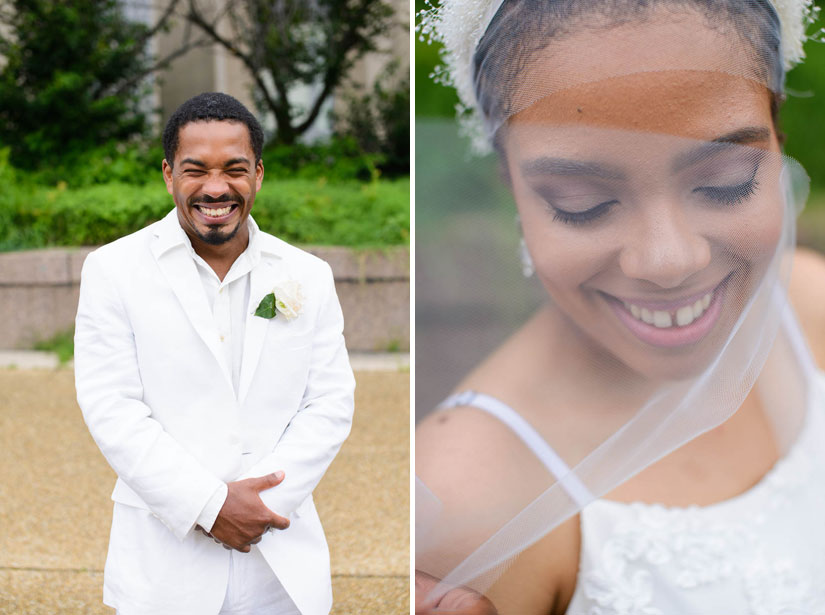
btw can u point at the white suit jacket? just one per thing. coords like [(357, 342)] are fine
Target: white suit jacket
[(158, 398)]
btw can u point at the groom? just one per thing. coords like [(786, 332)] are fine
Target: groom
[(212, 373)]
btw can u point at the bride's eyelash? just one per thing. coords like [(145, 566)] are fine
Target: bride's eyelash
[(730, 195), (726, 195), (582, 217)]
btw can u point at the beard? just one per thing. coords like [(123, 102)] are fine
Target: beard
[(216, 235)]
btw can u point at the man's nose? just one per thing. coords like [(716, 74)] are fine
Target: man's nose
[(215, 185), (664, 248)]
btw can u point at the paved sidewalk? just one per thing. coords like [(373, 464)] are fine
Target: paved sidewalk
[(361, 361), (55, 509), (28, 359)]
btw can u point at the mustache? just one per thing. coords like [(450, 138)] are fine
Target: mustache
[(205, 198)]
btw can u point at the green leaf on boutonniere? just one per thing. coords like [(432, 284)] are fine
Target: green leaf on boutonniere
[(266, 308)]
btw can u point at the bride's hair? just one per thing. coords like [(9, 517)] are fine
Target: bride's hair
[(522, 28)]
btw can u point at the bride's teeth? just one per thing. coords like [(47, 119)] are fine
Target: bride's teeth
[(684, 316), (662, 319)]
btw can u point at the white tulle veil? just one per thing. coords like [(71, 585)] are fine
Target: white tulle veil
[(656, 221)]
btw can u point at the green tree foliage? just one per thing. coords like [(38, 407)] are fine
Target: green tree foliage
[(302, 210), (803, 114), (379, 121), (290, 44), (72, 78), (431, 99)]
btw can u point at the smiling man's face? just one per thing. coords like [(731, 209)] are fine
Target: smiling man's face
[(213, 181)]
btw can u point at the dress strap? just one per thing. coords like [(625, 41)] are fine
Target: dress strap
[(527, 434)]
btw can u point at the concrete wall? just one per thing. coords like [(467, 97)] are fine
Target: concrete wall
[(39, 292)]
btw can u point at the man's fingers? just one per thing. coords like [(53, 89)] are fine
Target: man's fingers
[(278, 522), (267, 482)]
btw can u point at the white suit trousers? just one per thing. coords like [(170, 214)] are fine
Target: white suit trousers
[(252, 589)]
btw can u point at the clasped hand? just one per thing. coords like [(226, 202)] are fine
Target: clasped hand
[(244, 518), (457, 601)]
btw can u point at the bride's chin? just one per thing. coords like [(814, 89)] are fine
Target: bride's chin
[(613, 350)]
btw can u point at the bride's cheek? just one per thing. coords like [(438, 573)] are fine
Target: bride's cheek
[(754, 235)]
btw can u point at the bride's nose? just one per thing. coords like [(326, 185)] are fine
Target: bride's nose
[(664, 248)]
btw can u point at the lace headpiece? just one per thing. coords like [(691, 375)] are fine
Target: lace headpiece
[(460, 24)]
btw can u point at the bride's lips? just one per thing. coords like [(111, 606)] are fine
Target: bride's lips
[(215, 213), (699, 312)]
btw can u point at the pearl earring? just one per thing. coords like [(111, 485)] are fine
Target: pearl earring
[(527, 268)]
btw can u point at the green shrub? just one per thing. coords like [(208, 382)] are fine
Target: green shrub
[(136, 163), (340, 159), (351, 214), (299, 211), (62, 344)]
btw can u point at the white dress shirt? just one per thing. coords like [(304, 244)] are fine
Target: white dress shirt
[(228, 300)]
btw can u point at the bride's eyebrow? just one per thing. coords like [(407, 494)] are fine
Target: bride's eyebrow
[(743, 136), (564, 166)]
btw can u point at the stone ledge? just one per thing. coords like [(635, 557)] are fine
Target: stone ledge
[(62, 265), (365, 265), (49, 267), (39, 292)]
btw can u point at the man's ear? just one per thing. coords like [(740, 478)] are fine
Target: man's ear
[(259, 174), (167, 175)]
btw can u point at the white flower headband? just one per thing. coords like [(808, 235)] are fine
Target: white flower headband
[(460, 24)]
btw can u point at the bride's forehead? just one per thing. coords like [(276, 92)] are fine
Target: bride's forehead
[(640, 69), (691, 104)]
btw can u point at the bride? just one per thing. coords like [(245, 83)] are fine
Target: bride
[(648, 441)]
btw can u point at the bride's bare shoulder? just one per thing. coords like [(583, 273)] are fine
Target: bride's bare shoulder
[(473, 462), (807, 293), (465, 435)]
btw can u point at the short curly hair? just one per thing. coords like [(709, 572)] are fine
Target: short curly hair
[(211, 106)]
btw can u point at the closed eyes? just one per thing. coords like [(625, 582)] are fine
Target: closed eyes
[(725, 195)]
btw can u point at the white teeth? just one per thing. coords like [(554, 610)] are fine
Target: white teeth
[(215, 213), (684, 315), (662, 319)]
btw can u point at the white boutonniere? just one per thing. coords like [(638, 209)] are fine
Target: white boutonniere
[(285, 299)]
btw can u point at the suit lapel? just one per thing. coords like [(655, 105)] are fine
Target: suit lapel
[(262, 279), (181, 273)]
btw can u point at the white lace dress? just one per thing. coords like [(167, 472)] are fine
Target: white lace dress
[(760, 553)]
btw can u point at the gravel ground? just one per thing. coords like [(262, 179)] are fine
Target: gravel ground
[(55, 509)]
